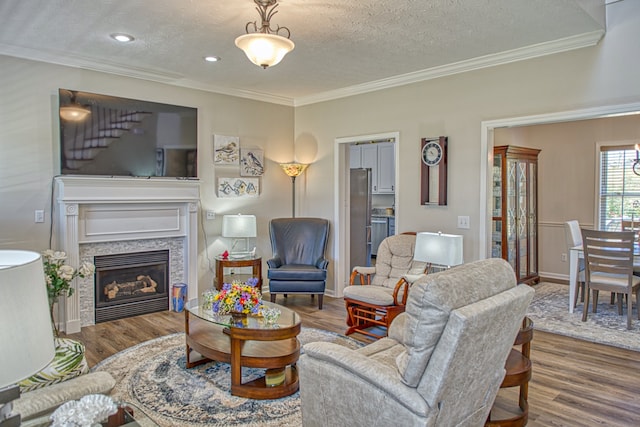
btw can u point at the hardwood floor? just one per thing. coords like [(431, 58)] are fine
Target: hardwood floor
[(575, 383)]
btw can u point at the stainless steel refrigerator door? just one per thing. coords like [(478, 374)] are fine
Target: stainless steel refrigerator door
[(360, 217)]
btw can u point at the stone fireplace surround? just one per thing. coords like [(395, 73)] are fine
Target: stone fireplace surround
[(94, 215)]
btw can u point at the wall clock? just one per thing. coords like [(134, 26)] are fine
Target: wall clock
[(431, 153), (433, 172)]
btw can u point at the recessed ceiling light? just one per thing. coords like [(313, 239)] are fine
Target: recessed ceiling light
[(212, 58), (122, 38)]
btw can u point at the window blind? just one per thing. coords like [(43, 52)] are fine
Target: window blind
[(619, 198)]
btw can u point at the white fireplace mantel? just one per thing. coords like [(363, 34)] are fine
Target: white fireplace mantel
[(110, 209)]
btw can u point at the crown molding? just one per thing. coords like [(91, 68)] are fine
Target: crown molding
[(529, 52)]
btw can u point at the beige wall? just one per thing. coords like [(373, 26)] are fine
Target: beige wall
[(454, 106), (29, 157), (567, 176)]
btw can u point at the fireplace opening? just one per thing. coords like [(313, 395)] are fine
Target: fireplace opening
[(131, 284)]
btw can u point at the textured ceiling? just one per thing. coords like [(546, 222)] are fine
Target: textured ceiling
[(341, 46)]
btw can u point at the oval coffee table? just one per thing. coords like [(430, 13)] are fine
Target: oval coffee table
[(250, 343)]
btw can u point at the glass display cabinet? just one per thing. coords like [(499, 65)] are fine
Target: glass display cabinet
[(514, 205)]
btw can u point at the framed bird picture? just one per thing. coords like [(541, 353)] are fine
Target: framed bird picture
[(251, 162), (226, 150)]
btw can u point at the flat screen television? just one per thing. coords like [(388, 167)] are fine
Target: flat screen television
[(112, 136)]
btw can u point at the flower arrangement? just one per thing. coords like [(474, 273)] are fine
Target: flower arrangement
[(58, 277), (235, 297)]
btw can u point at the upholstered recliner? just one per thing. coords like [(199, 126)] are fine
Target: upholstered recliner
[(298, 265), (441, 365)]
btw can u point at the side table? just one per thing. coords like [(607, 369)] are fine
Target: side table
[(254, 262)]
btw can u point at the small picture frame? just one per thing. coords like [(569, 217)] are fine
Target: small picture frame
[(251, 162), (226, 150), (238, 187)]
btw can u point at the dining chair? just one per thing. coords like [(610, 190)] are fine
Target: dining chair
[(609, 267), (574, 238)]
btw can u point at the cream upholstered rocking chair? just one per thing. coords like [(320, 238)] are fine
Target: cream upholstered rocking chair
[(376, 295)]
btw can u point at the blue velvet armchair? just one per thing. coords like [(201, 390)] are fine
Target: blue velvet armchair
[(298, 265)]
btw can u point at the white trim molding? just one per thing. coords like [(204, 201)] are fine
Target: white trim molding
[(115, 209)]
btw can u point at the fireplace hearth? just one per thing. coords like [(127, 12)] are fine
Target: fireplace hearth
[(131, 284)]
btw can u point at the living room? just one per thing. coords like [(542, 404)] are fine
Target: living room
[(591, 80)]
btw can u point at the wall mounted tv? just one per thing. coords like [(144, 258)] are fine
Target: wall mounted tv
[(107, 135)]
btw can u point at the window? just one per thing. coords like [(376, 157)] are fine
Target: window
[(619, 193)]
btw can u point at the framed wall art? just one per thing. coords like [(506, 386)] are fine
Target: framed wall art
[(251, 162), (238, 187), (226, 150)]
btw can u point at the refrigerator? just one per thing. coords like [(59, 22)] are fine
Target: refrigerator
[(360, 217)]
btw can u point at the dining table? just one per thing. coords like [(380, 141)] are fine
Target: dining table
[(576, 253)]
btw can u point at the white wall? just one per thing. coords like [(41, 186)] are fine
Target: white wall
[(455, 106), (29, 150)]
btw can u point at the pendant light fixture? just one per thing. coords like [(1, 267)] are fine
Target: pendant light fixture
[(263, 45), (74, 112)]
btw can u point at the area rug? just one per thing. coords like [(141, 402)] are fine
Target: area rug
[(153, 376), (550, 313)]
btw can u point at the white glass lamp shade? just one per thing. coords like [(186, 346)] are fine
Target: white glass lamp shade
[(265, 50), (26, 335), (74, 112), (239, 226), (440, 249)]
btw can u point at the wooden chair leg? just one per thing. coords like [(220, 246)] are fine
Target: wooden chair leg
[(273, 297), (585, 307), (320, 297)]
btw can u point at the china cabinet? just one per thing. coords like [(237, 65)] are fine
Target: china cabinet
[(514, 210)]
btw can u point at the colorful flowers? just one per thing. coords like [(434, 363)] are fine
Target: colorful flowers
[(235, 297)]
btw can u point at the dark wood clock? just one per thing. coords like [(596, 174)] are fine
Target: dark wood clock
[(433, 171)]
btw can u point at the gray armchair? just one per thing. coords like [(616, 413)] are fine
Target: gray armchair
[(441, 365), (298, 265)]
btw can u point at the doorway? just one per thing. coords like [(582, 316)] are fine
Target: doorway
[(487, 134), (342, 229)]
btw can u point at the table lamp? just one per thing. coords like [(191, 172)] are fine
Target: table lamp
[(441, 250), (26, 335), (239, 227)]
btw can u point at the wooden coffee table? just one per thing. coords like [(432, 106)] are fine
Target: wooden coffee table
[(250, 343)]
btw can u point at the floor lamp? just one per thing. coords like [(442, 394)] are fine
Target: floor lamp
[(26, 335), (293, 170)]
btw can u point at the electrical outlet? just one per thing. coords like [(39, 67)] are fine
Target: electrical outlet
[(211, 215), (39, 215), (463, 222), (563, 257)]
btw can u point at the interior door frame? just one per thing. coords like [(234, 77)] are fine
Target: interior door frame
[(486, 150), (341, 202)]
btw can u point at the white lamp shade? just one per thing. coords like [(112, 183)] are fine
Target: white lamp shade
[(26, 335), (265, 50), (439, 249), (239, 226)]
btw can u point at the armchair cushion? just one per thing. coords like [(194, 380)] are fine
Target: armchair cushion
[(68, 362), (377, 295), (297, 272), (434, 297)]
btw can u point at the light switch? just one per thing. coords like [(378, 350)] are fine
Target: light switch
[(463, 222)]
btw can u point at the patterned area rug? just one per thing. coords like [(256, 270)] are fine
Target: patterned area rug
[(153, 377), (550, 313)]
